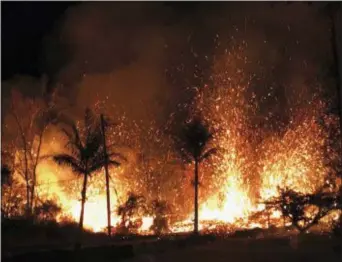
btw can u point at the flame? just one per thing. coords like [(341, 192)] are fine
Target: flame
[(294, 159), (249, 168)]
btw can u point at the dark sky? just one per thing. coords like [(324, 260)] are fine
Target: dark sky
[(23, 27), (99, 45)]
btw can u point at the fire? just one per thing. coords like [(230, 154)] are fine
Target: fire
[(294, 159), (235, 203), (249, 168)]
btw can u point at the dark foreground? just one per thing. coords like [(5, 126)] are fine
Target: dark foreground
[(242, 250), (205, 248)]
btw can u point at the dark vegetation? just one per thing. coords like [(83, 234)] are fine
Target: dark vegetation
[(293, 206)]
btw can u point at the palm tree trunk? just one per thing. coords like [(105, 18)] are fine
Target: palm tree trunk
[(196, 199), (107, 176), (84, 190)]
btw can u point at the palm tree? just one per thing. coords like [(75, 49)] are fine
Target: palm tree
[(193, 143), (86, 153)]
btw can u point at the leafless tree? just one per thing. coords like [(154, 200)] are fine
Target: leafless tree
[(27, 122)]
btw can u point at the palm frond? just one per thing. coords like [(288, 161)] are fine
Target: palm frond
[(100, 164), (114, 163), (74, 142), (67, 160), (194, 138), (117, 156), (90, 125), (208, 153), (77, 137)]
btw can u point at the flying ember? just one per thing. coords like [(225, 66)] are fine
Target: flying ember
[(251, 165)]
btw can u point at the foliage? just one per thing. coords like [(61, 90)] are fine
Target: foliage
[(134, 207), (85, 146), (304, 210), (193, 142), (12, 194), (12, 201), (86, 152), (5, 175), (159, 211), (47, 211)]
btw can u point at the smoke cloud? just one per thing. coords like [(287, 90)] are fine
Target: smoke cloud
[(145, 58)]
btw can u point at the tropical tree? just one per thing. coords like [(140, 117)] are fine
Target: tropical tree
[(12, 200), (105, 123), (294, 206), (47, 211), (134, 206), (5, 174), (159, 211), (193, 142), (86, 153)]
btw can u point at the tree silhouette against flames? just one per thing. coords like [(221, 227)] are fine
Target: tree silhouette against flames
[(193, 142), (86, 154)]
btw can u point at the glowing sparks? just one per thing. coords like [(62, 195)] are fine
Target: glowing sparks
[(248, 169)]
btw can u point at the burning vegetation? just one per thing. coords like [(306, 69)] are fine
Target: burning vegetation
[(250, 165), (239, 168)]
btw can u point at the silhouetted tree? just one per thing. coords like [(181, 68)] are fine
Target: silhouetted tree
[(47, 211), (86, 153), (105, 124), (134, 206), (12, 200), (193, 142), (159, 211), (294, 205), (29, 118), (5, 174)]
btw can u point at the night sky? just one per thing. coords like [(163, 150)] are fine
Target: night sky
[(24, 25), (157, 51)]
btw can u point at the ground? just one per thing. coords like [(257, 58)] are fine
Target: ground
[(199, 249), (242, 250)]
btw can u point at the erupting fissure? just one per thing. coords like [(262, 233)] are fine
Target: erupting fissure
[(294, 159), (249, 168)]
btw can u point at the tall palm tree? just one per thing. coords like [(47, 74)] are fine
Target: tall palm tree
[(193, 143), (86, 153)]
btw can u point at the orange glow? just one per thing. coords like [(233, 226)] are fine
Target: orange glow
[(250, 167)]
